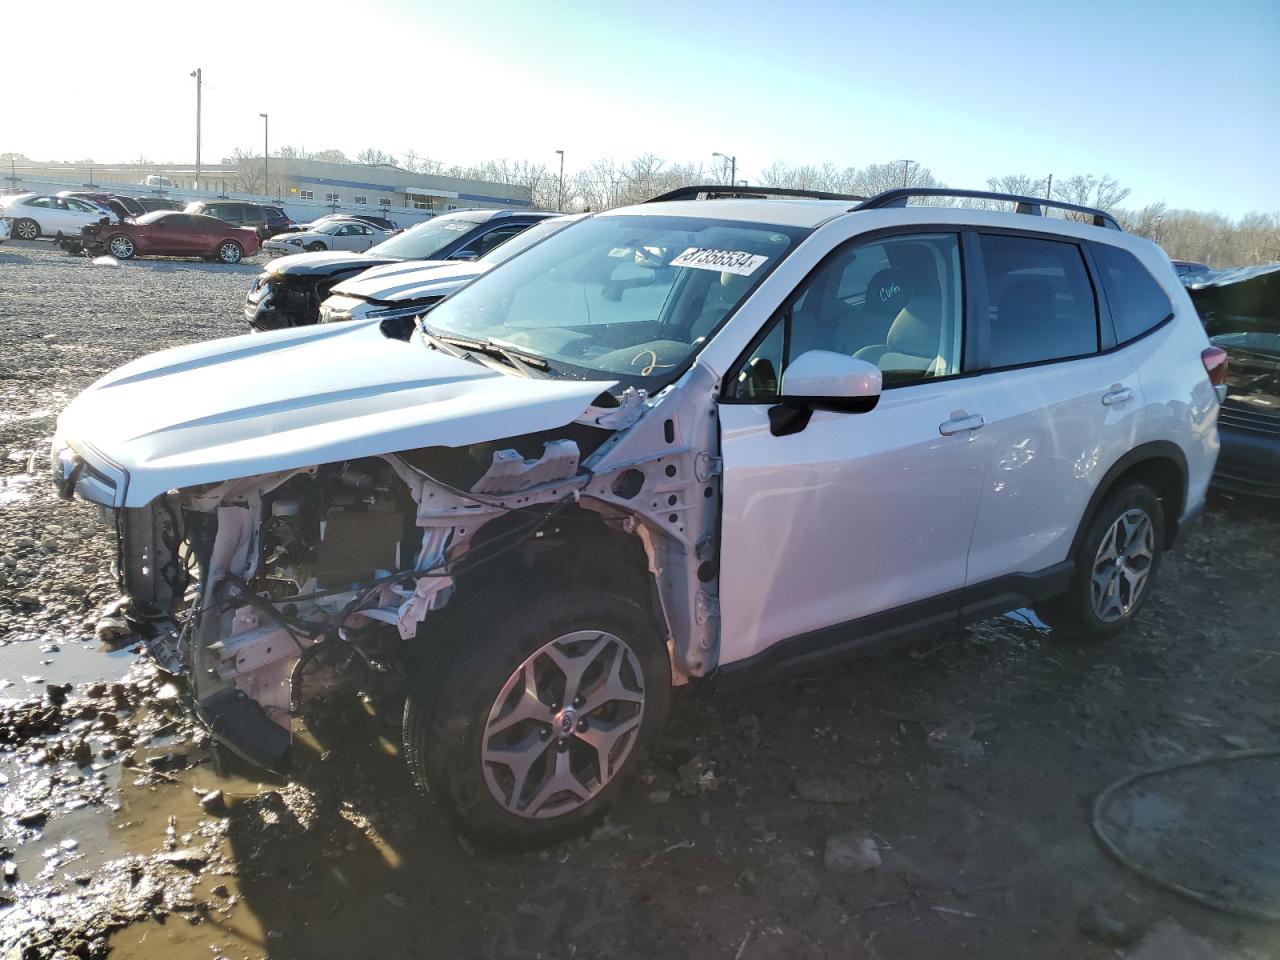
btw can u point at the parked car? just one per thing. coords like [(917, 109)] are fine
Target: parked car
[(382, 223), (1240, 309), (353, 235), (407, 290), (265, 220), (122, 206), (152, 204), (158, 182), (685, 439), (41, 215), (288, 293), (167, 233)]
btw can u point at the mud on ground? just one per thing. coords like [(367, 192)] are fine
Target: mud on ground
[(925, 803)]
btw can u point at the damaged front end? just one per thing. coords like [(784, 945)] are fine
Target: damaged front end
[(271, 592)]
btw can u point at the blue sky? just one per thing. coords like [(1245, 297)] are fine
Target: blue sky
[(1179, 101)]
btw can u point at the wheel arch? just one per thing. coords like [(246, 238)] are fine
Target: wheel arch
[(1162, 466)]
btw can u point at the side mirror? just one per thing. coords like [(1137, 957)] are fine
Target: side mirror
[(824, 380)]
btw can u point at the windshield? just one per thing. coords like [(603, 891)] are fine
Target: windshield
[(426, 239), (525, 239), (630, 298)]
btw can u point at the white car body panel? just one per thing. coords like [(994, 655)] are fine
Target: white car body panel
[(53, 220), (814, 530), (411, 280), (1046, 444), (5, 229), (261, 403)]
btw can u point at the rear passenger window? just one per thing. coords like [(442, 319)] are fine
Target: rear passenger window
[(1040, 300), (1137, 302)]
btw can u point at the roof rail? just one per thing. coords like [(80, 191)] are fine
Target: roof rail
[(713, 192), (1033, 206)]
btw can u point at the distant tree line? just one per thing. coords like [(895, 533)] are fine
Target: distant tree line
[(1186, 234)]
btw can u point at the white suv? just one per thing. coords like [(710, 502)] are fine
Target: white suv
[(692, 438)]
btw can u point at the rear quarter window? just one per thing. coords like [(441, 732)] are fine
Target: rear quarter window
[(1138, 303)]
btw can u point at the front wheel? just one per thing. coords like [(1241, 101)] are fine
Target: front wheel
[(527, 722), (316, 247), (121, 247), (27, 229), (229, 252), (1114, 566)]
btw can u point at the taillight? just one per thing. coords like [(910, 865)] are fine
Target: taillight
[(1215, 365)]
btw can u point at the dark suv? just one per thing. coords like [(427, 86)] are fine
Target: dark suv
[(289, 292), (266, 220)]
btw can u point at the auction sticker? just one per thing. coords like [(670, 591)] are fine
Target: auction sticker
[(725, 261)]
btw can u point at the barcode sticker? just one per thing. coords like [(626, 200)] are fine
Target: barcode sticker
[(724, 261)]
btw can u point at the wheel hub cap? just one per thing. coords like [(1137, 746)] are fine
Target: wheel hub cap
[(1122, 567), (585, 692)]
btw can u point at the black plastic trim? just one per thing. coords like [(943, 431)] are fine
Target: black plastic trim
[(1032, 206), (1152, 450), (947, 611), (714, 192)]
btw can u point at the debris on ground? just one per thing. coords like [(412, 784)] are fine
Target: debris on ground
[(851, 853)]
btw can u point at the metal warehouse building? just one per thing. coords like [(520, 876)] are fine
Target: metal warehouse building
[(354, 186)]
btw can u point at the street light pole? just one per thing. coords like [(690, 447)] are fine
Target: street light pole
[(733, 167), (199, 75), (560, 193), (266, 153)]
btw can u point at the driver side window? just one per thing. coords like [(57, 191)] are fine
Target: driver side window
[(895, 302)]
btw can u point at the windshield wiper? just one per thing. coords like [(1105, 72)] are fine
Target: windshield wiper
[(468, 347)]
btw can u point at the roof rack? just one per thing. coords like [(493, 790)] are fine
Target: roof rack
[(713, 192), (1034, 206)]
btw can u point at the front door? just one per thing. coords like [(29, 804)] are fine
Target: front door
[(856, 514)]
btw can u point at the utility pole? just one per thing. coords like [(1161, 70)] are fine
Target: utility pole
[(1048, 190), (199, 75), (560, 194), (266, 152), (906, 165), (733, 167)]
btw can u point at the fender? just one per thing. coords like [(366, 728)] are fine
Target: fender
[(1143, 453)]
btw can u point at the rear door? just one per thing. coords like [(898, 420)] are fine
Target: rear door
[(1059, 404)]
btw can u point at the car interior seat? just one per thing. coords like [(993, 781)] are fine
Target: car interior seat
[(1017, 326), (911, 345)]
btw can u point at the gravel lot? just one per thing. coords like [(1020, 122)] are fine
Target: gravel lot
[(926, 803)]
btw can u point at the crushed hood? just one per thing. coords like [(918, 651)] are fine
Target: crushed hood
[(324, 262), (260, 403), (412, 280)]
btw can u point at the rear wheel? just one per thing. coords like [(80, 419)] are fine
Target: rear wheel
[(26, 229), (1114, 566), (527, 721), (121, 247), (229, 252)]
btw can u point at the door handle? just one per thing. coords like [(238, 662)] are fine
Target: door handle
[(1117, 394), (961, 424)]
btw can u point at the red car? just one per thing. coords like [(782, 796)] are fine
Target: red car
[(166, 233)]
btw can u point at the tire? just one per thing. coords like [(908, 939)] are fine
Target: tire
[(316, 247), (121, 247), (26, 229), (229, 252), (470, 701), (1115, 564)]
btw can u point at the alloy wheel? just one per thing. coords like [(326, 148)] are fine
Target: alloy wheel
[(563, 725), (1122, 567), (121, 247), (229, 253), (28, 229)]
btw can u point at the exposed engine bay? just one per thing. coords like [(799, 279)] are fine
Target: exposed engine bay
[(272, 592)]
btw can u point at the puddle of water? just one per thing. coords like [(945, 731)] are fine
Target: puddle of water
[(27, 665), (16, 489)]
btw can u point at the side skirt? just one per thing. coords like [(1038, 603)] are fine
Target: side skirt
[(897, 626)]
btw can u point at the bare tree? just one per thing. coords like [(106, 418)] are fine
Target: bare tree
[(329, 156), (375, 158), (248, 177)]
